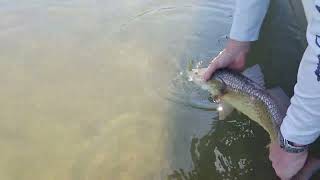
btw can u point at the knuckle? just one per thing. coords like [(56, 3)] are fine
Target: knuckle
[(209, 70)]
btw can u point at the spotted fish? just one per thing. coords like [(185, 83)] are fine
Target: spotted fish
[(246, 93)]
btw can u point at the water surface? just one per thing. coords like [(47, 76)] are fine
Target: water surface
[(86, 86)]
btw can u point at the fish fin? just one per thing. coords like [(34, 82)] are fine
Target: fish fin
[(255, 74), (224, 110), (280, 97)]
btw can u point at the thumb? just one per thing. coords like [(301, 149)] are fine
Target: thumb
[(213, 66), (221, 61)]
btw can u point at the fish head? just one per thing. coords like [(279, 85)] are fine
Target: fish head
[(215, 85)]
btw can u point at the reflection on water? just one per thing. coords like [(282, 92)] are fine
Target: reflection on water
[(85, 87)]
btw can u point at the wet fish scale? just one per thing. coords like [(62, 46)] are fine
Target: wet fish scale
[(254, 101), (266, 107)]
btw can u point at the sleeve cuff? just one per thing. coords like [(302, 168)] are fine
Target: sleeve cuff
[(247, 19), (243, 37), (293, 134)]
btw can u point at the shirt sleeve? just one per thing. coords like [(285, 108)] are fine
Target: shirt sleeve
[(247, 19), (302, 123)]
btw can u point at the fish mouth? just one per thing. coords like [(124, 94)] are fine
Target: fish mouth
[(215, 99), (216, 82), (196, 75)]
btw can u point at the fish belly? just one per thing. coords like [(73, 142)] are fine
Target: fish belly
[(253, 108)]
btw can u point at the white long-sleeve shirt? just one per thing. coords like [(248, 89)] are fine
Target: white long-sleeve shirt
[(247, 19), (302, 123)]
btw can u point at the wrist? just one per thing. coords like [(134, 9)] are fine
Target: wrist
[(236, 44), (289, 146), (297, 145), (236, 47)]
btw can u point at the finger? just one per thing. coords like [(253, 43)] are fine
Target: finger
[(210, 70), (214, 65), (283, 174), (273, 158), (275, 165), (271, 153)]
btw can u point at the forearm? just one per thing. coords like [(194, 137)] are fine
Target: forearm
[(302, 123), (247, 19)]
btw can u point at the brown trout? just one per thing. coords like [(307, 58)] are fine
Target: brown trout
[(246, 93)]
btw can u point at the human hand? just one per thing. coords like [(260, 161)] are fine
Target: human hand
[(285, 164), (233, 57)]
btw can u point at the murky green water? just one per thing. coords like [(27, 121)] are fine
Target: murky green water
[(84, 90)]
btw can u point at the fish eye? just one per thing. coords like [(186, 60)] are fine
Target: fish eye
[(216, 99)]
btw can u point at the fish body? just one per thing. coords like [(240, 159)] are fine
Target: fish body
[(245, 95)]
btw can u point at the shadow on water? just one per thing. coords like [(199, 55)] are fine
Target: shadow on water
[(229, 151), (281, 45)]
